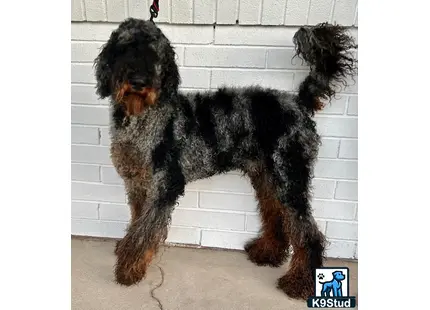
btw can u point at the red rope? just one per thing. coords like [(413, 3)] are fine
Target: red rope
[(153, 10)]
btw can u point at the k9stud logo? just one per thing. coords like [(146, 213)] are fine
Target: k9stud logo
[(332, 289)]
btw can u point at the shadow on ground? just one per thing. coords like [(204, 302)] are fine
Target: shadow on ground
[(193, 279)]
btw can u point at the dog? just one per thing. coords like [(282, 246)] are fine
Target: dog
[(334, 285), (162, 139)]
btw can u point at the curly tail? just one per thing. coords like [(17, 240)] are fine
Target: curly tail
[(327, 50)]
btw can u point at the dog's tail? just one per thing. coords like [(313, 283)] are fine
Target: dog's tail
[(327, 49)]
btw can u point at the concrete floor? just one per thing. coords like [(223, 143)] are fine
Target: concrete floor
[(193, 279)]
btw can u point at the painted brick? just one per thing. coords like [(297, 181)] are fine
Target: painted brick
[(84, 210), (90, 154), (353, 105), (85, 227), (183, 235), (271, 36), (319, 11), (192, 90), (78, 13), (226, 201), (90, 115), (138, 9), (253, 223), (114, 229), (225, 57), (86, 94), (204, 11), (208, 219), (344, 12), (341, 169), (104, 136), (356, 18), (224, 239), (89, 173), (341, 249), (97, 192), (95, 10), (182, 12), (92, 31), (337, 126), (347, 190), (336, 106), (179, 54), (86, 135), (249, 12), (352, 85), (331, 209), (84, 51), (342, 230), (224, 183), (296, 12), (189, 200), (95, 228), (299, 77), (323, 188), (356, 251), (283, 58), (114, 212), (188, 34), (276, 79), (322, 225), (194, 78), (329, 148), (116, 10), (110, 176), (82, 73), (226, 12), (348, 148), (273, 12)]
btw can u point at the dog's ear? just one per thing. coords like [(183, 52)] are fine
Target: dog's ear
[(135, 100), (103, 70)]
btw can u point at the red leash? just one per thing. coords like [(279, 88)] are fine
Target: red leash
[(153, 10)]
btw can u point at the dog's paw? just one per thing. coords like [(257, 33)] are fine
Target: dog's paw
[(296, 285), (263, 252), (129, 276)]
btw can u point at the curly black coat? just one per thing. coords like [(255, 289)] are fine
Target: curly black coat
[(163, 139)]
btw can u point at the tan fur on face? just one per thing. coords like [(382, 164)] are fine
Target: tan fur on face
[(134, 100)]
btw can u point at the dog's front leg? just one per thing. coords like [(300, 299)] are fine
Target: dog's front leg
[(148, 228), (137, 249)]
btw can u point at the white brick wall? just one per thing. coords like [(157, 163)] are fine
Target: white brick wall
[(221, 211)]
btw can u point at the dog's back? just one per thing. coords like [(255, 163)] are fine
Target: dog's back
[(236, 128)]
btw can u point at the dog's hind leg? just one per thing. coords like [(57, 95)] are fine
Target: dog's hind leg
[(293, 162), (271, 247), (148, 228)]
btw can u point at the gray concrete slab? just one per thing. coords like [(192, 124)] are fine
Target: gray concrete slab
[(193, 279)]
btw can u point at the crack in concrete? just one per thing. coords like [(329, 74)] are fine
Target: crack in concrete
[(160, 305)]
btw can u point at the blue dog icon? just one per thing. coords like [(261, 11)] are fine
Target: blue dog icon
[(334, 285)]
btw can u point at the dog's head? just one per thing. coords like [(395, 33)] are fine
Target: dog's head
[(136, 66), (338, 275)]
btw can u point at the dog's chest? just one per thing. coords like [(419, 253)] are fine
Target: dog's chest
[(128, 160)]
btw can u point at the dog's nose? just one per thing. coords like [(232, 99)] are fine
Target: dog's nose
[(137, 84)]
